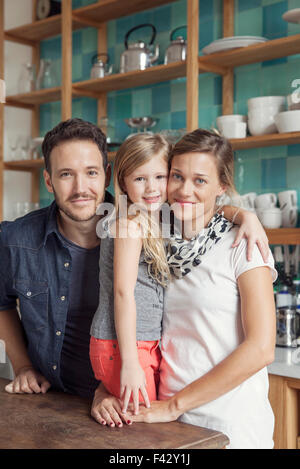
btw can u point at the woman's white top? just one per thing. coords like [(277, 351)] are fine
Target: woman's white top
[(201, 327)]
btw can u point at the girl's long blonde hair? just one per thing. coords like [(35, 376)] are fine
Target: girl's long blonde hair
[(133, 153)]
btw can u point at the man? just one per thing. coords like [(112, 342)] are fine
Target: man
[(49, 262)]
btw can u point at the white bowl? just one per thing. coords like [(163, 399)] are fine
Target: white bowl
[(262, 101), (293, 101), (230, 118), (265, 111), (261, 124), (288, 121), (270, 218)]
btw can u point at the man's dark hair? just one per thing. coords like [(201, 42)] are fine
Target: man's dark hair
[(73, 129)]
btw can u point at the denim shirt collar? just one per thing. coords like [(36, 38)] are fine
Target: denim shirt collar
[(51, 221)]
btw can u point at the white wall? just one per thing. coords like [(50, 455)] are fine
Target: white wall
[(17, 185)]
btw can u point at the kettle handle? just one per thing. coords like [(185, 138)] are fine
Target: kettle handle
[(138, 27), (176, 29), (100, 55)]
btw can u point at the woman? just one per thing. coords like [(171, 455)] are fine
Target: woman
[(219, 317)]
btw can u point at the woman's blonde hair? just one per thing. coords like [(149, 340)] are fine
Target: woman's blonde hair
[(133, 153)]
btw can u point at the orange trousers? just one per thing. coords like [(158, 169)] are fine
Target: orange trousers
[(106, 363)]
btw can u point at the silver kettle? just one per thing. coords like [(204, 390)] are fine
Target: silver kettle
[(287, 327), (138, 56), (100, 68), (176, 51)]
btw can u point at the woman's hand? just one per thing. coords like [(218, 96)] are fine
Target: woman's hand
[(106, 409), (132, 380), (160, 411), (252, 229), (28, 381)]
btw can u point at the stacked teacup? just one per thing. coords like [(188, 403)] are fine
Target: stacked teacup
[(261, 113), (288, 207), (232, 125), (269, 215)]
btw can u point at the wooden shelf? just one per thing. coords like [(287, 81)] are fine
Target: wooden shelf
[(284, 236), (107, 10), (34, 32), (34, 98), (120, 81), (268, 140), (269, 50), (32, 165), (24, 165), (91, 15)]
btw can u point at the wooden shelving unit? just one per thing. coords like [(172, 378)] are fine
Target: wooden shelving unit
[(32, 165), (268, 140), (284, 236), (96, 15), (120, 81), (270, 50), (35, 98), (91, 15)]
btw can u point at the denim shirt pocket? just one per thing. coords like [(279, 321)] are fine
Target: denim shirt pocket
[(33, 299)]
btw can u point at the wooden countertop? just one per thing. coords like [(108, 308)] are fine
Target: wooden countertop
[(57, 420)]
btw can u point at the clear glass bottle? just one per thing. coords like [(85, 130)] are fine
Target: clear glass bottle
[(46, 76), (27, 78)]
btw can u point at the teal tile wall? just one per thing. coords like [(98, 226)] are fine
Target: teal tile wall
[(262, 169)]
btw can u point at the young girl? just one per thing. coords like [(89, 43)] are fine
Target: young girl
[(126, 329)]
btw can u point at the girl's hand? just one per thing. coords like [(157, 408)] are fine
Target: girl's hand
[(252, 229), (106, 409), (132, 380)]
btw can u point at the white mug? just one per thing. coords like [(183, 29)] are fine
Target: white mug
[(248, 200), (289, 217), (287, 199), (270, 218), (233, 129), (265, 201)]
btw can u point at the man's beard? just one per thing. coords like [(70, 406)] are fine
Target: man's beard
[(69, 214)]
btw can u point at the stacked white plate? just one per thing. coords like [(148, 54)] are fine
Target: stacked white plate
[(232, 42), (292, 16)]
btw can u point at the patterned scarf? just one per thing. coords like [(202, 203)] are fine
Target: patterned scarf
[(183, 254)]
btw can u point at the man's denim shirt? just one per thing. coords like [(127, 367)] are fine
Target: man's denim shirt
[(35, 268)]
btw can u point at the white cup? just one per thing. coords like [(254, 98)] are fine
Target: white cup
[(248, 200), (264, 201), (289, 217), (287, 199), (233, 129), (270, 218)]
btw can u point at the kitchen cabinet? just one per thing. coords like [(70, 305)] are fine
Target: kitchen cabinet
[(96, 15), (284, 397)]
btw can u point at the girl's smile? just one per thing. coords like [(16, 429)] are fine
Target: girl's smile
[(147, 185)]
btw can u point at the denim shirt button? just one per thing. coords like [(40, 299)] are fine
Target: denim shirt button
[(62, 298), (66, 264), (28, 293), (58, 332), (54, 367)]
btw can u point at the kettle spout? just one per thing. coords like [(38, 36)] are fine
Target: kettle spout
[(109, 71), (154, 57)]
